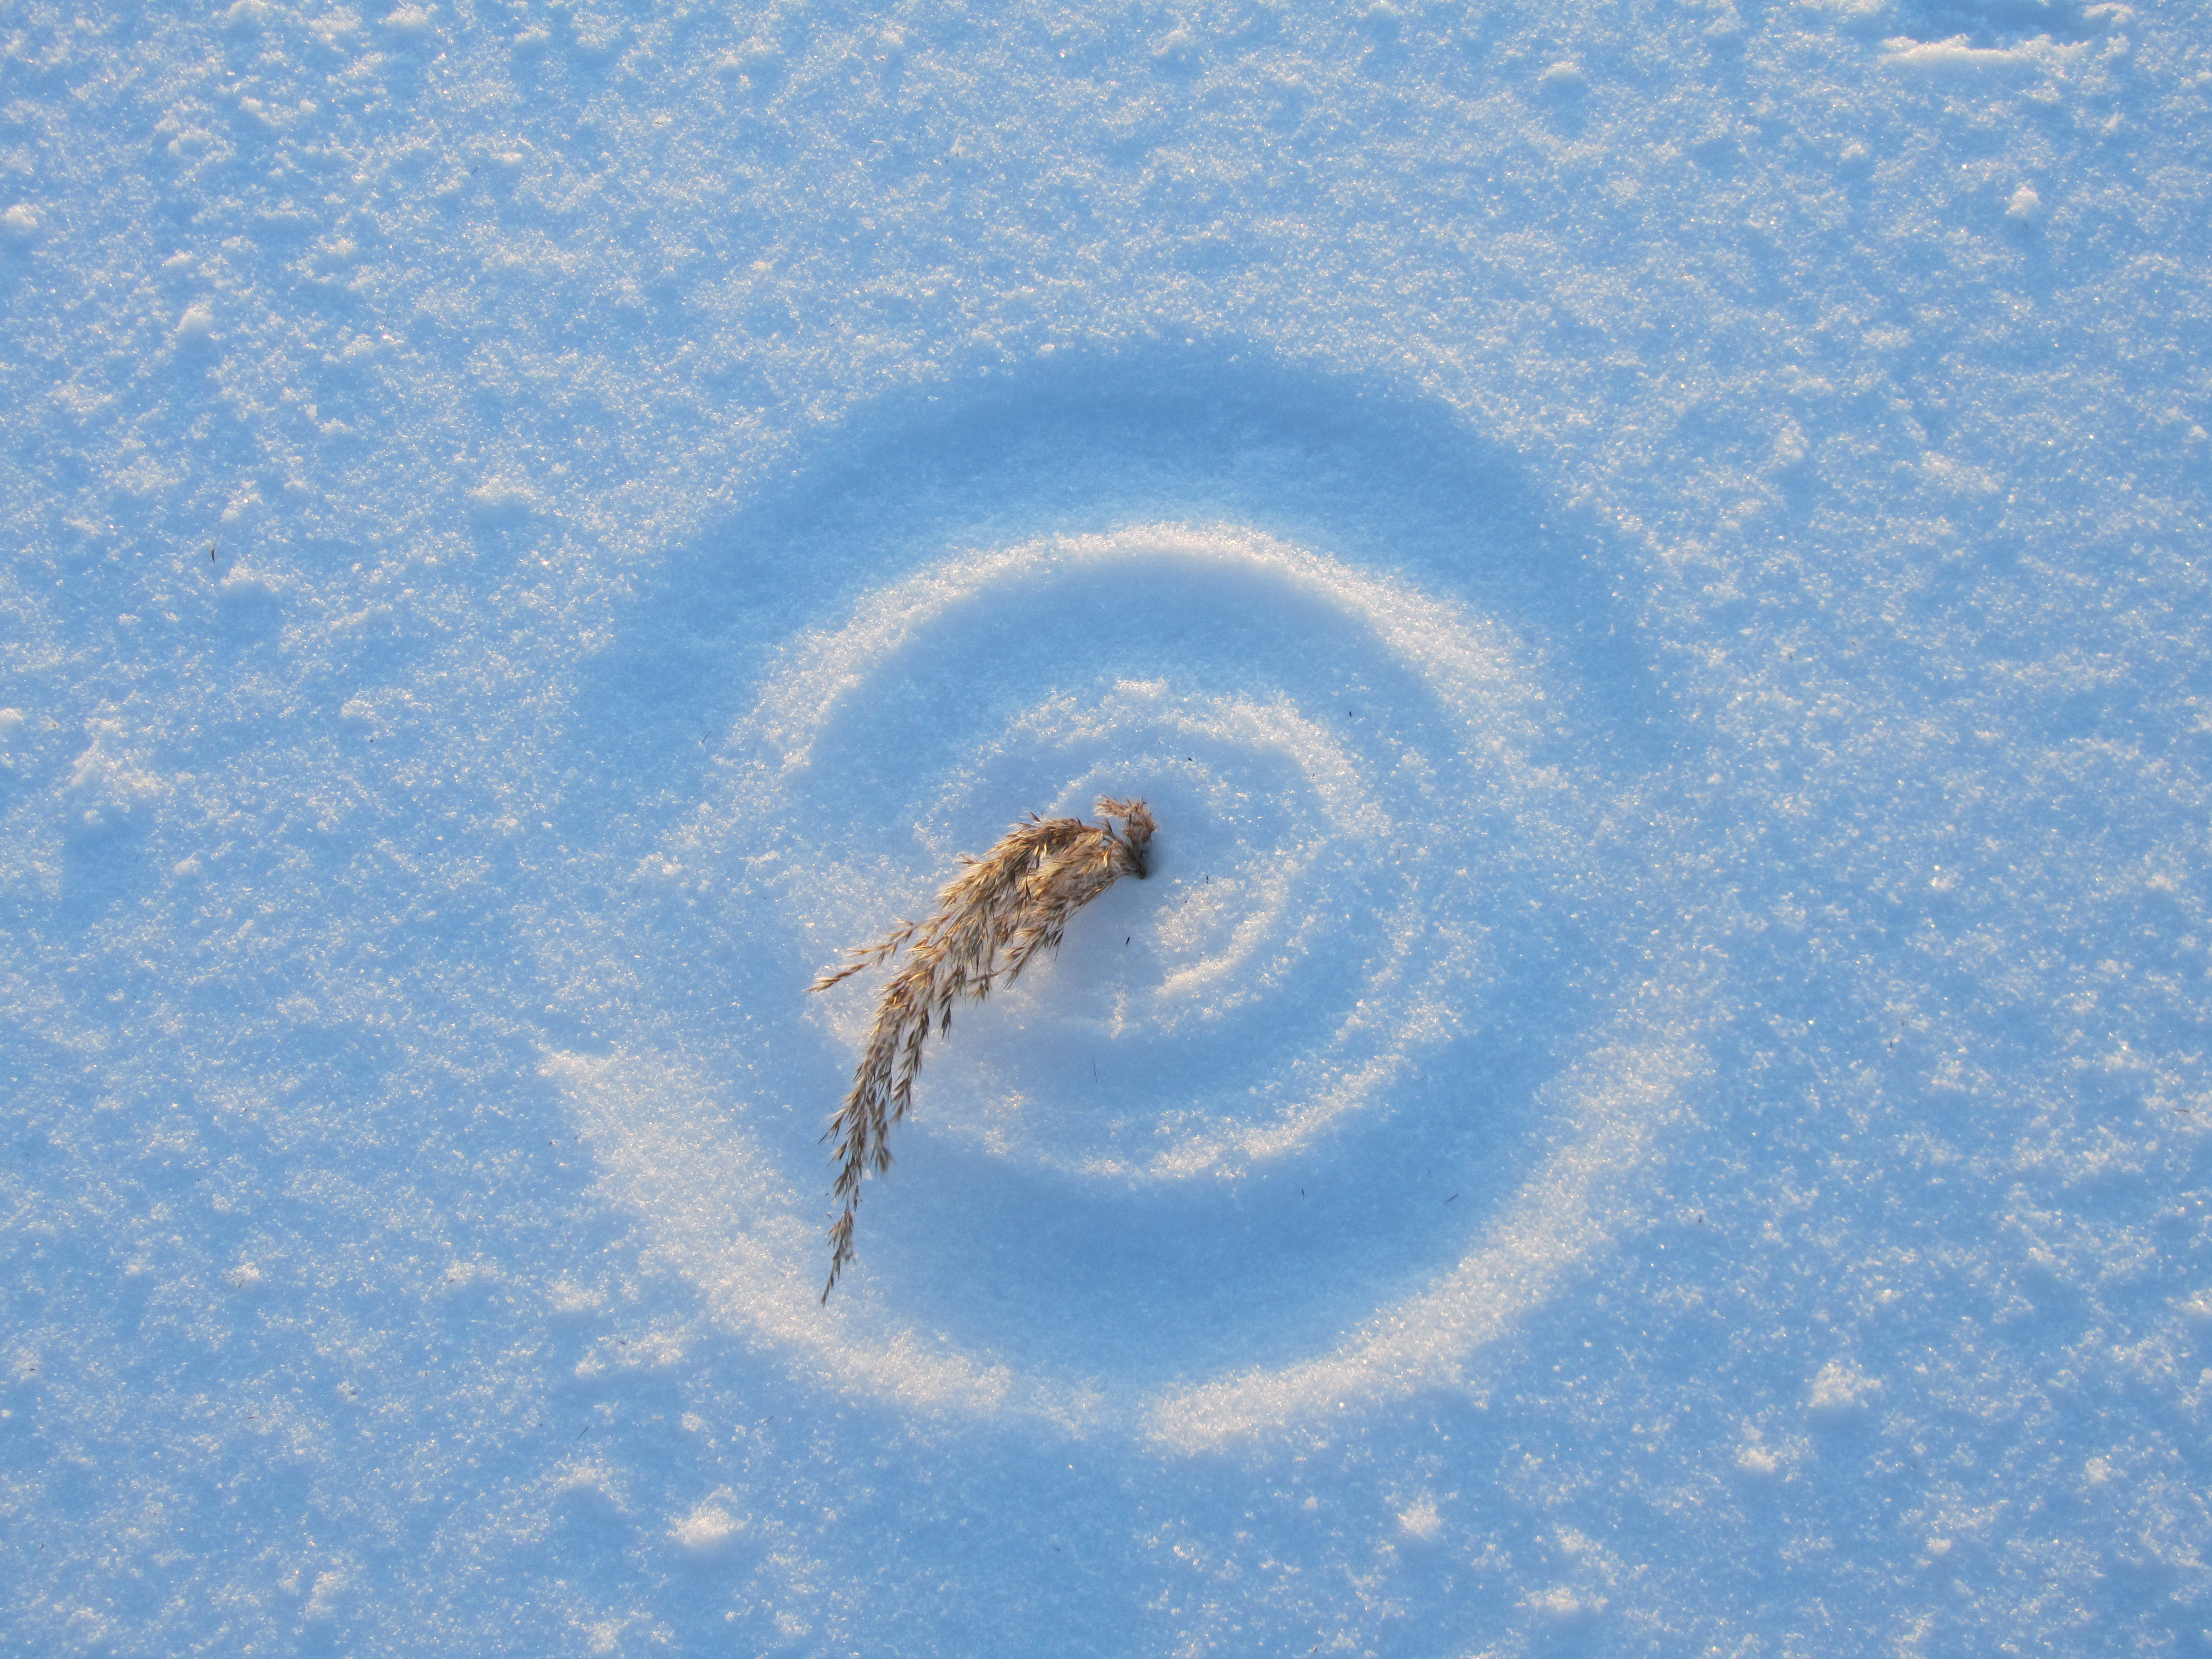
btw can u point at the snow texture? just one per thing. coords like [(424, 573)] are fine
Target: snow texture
[(1650, 561)]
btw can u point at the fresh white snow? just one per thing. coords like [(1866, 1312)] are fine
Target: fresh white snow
[(1652, 562)]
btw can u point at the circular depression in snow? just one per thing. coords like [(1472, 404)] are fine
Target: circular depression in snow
[(1366, 883)]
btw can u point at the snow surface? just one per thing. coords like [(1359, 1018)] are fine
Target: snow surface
[(1651, 561)]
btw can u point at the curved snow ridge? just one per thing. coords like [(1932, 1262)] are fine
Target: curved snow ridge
[(1617, 1100), (835, 665), (666, 1149)]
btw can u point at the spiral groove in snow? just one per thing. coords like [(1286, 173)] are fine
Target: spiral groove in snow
[(1367, 880)]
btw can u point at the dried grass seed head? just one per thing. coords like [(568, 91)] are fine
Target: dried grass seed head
[(990, 920)]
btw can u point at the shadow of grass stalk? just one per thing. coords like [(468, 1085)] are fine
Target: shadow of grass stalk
[(991, 919)]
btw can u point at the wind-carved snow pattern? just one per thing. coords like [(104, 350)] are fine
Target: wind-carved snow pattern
[(1992, 25), (2001, 38), (1303, 985)]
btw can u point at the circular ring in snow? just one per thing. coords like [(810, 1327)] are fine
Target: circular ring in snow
[(1374, 933)]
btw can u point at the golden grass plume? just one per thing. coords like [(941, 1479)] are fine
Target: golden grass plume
[(991, 919)]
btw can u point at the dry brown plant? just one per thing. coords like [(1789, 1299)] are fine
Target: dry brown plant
[(991, 919)]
